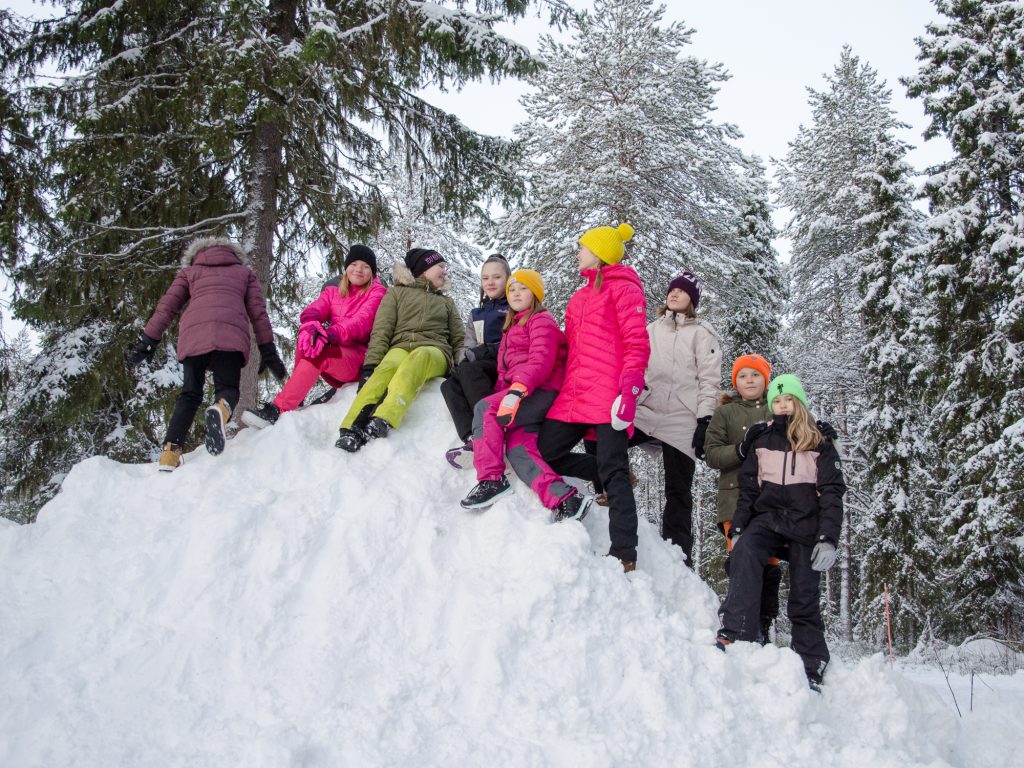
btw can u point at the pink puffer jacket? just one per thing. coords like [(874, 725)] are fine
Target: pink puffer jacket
[(351, 315), (222, 294), (606, 334), (532, 354)]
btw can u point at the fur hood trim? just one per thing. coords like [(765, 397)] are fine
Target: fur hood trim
[(725, 398), (403, 276), (201, 243)]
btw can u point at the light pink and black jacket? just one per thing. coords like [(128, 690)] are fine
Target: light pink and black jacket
[(801, 493)]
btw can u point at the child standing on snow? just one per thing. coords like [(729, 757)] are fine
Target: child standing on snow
[(332, 336), (531, 366), (683, 378), (416, 336), (791, 495), (474, 377), (222, 296), (725, 451), (608, 348)]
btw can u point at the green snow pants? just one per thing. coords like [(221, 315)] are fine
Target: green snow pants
[(397, 379)]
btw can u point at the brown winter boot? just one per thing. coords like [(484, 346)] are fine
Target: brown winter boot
[(217, 417), (170, 457), (628, 566)]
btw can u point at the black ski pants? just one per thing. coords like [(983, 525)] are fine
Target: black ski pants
[(740, 612), (227, 373), (677, 518), (470, 382), (609, 468)]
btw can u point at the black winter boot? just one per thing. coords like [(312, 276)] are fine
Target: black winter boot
[(486, 493), (377, 427), (350, 440), (264, 416), (573, 507)]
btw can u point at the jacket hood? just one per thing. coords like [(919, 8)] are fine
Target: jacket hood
[(403, 276), (613, 272), (223, 251)]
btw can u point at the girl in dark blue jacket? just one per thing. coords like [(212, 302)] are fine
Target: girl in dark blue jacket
[(473, 378)]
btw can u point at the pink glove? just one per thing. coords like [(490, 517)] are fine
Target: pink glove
[(312, 339), (624, 407)]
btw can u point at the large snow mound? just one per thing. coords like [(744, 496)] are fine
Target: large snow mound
[(287, 604)]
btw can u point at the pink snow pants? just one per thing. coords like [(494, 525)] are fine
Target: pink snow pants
[(337, 364), (492, 442)]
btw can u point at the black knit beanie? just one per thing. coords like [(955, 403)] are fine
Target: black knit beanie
[(419, 260), (362, 253)]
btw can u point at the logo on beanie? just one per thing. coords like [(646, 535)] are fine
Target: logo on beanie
[(432, 259)]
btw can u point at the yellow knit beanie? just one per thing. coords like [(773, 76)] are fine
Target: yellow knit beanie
[(607, 242), (530, 279)]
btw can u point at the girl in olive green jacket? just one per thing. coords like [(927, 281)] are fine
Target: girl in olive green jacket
[(416, 335), (725, 449)]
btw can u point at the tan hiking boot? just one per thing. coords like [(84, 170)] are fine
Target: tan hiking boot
[(217, 417), (628, 566), (170, 457)]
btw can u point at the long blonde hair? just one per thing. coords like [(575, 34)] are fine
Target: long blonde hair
[(803, 433)]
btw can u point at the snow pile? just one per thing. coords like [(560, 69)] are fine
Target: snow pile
[(286, 604)]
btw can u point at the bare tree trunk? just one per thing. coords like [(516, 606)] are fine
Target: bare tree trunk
[(267, 161)]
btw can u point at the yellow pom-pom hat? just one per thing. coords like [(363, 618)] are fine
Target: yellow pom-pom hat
[(607, 242), (530, 279)]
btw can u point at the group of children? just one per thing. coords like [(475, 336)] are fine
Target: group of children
[(520, 388)]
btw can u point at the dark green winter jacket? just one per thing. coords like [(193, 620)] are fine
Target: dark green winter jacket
[(413, 313), (728, 426)]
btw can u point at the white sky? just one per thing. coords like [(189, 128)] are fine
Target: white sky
[(774, 50)]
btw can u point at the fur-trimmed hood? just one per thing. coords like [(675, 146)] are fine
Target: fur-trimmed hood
[(403, 276), (223, 244)]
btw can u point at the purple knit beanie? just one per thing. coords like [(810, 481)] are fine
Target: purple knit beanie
[(689, 283)]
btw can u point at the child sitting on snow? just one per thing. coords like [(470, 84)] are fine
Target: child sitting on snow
[(474, 377), (222, 296), (332, 336), (531, 366), (416, 336)]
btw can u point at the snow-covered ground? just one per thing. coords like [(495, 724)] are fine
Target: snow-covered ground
[(286, 604)]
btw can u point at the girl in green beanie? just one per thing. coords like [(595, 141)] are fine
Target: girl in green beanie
[(791, 497)]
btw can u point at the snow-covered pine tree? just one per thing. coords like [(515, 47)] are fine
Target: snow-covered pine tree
[(414, 223), (820, 181), (750, 318), (620, 129), (971, 80), (267, 120), (895, 531)]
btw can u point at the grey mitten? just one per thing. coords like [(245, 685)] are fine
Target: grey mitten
[(823, 556)]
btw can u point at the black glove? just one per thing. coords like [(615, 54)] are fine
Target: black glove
[(699, 434), (827, 430), (754, 432), (144, 349), (365, 373), (269, 358)]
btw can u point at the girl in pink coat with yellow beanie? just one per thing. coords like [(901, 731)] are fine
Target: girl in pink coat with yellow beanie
[(531, 366), (608, 348)]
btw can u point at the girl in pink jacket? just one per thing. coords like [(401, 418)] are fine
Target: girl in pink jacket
[(531, 366), (333, 332), (608, 347)]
